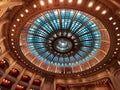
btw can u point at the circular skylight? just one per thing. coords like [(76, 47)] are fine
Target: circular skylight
[(64, 38), (63, 45)]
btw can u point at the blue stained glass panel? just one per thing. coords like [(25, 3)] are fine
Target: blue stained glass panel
[(76, 22), (55, 59), (82, 53)]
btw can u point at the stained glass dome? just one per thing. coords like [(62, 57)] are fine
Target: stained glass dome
[(63, 38)]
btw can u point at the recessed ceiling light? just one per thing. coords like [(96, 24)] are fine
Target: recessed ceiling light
[(50, 1), (21, 15), (34, 6), (79, 1), (104, 12), (61, 0), (116, 28), (110, 18), (118, 62), (14, 25), (26, 10), (116, 49), (12, 34), (18, 19), (97, 8), (118, 43), (42, 3), (15, 51), (118, 34), (12, 39), (19, 57), (70, 1), (13, 30), (90, 4), (12, 43), (114, 23)]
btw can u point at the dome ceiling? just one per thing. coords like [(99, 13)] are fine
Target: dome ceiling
[(64, 38)]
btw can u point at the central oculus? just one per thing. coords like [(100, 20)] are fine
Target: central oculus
[(63, 45)]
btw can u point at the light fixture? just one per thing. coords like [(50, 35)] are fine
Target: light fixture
[(79, 1), (12, 34), (21, 15), (116, 28), (14, 25), (34, 6), (15, 51), (118, 39), (110, 18), (97, 8), (114, 23), (42, 3), (118, 43), (118, 62), (18, 19), (12, 43), (116, 49), (19, 87), (19, 57), (50, 1), (26, 10), (13, 30), (61, 0), (70, 1), (104, 12), (12, 39), (90, 4), (118, 34)]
